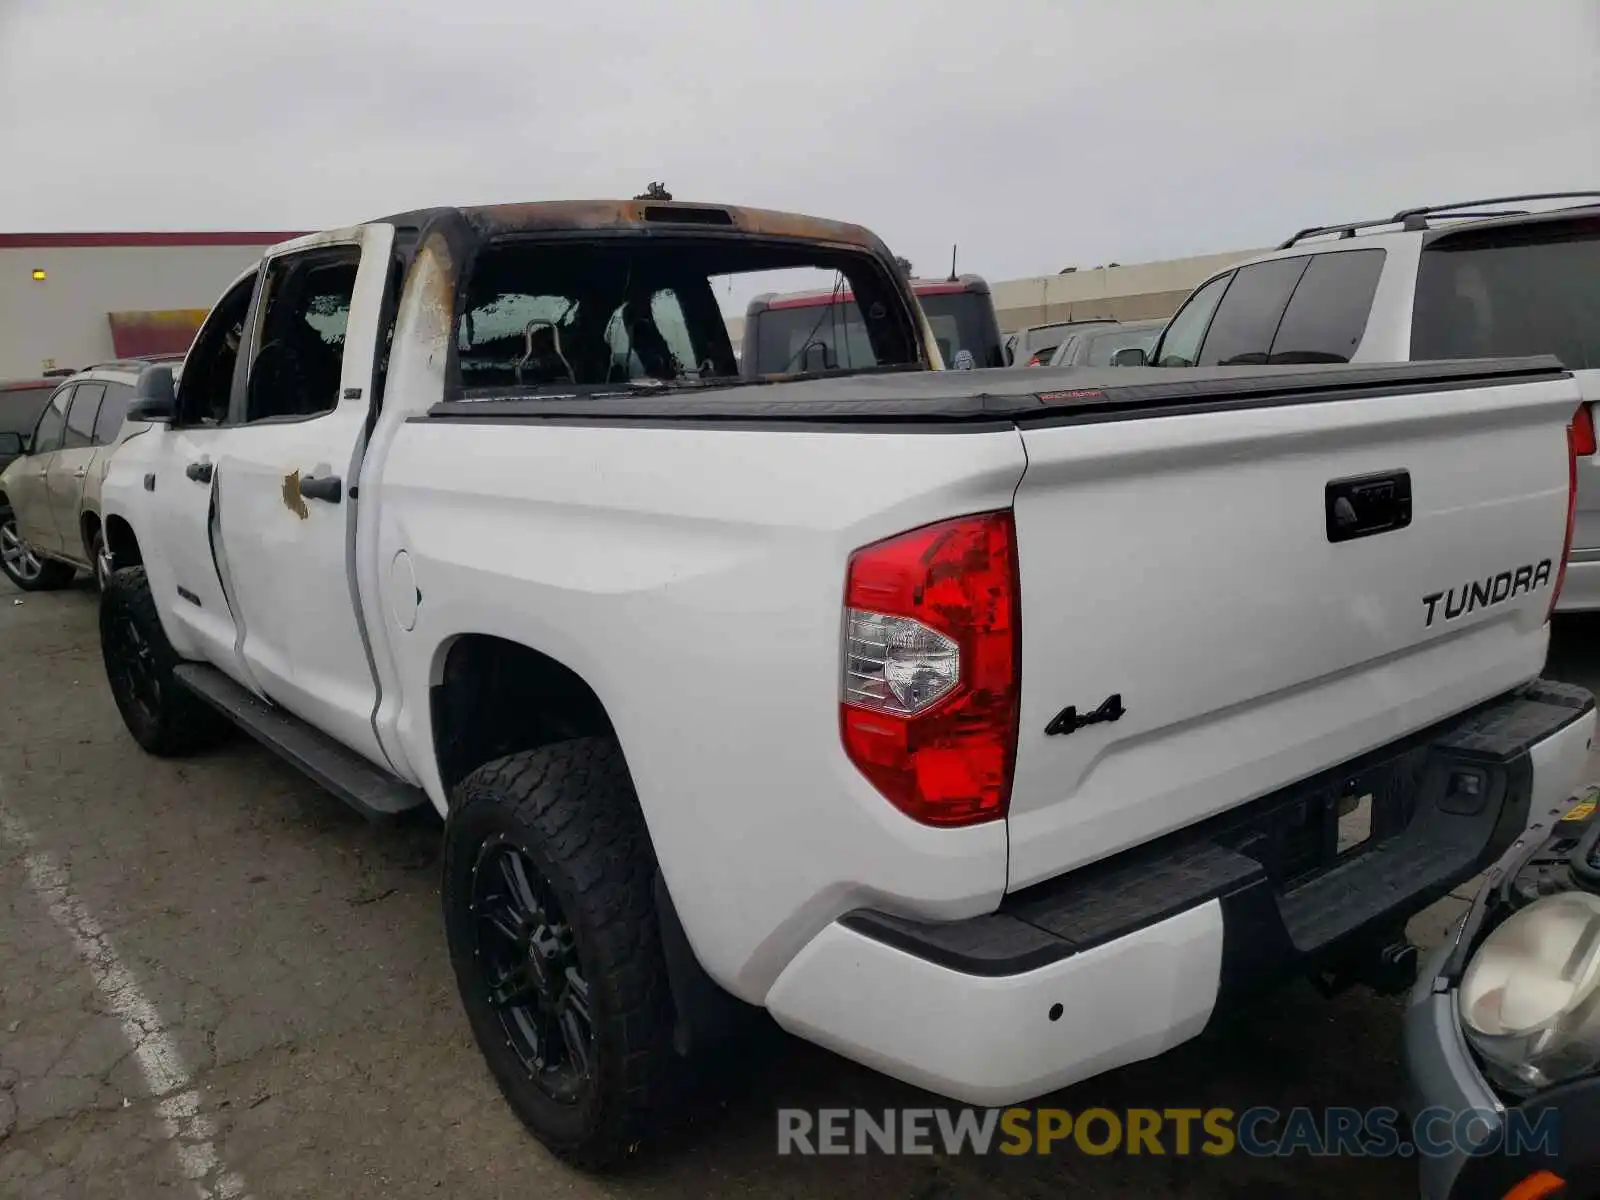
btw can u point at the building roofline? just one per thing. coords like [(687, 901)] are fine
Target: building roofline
[(46, 241)]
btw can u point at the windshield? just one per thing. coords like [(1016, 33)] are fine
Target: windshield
[(543, 316), (1104, 346), (835, 335), (1505, 292)]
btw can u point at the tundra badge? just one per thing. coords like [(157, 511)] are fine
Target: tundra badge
[(1486, 593)]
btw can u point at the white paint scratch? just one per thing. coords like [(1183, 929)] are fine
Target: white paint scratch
[(165, 1075)]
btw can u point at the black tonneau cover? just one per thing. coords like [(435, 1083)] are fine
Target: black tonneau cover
[(1036, 395)]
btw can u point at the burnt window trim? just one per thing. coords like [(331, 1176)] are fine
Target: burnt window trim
[(460, 238)]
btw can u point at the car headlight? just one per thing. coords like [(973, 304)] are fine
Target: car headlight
[(1530, 997)]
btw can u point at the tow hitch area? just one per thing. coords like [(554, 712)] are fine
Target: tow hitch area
[(1389, 968)]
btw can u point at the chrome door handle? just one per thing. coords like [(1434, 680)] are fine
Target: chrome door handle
[(80, 472)]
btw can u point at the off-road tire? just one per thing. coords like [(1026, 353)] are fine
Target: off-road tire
[(174, 721), (570, 808)]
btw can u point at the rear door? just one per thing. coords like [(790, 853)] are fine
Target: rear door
[(286, 490), (69, 468)]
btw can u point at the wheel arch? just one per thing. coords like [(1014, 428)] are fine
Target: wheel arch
[(490, 696), (122, 542)]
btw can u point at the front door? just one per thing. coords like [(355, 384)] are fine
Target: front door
[(29, 487), (68, 468), (285, 485)]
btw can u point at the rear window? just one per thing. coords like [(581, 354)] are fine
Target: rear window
[(832, 335), (20, 408), (1532, 289), (549, 317), (1104, 346)]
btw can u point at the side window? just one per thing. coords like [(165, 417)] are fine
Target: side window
[(1328, 314), (1180, 343), (81, 415), (304, 306), (1242, 331), (52, 423), (109, 423), (207, 381)]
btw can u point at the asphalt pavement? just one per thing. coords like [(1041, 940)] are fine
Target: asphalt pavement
[(216, 981)]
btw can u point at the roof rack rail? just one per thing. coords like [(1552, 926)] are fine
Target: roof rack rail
[(1414, 219)]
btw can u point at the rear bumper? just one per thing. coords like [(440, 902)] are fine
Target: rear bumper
[(1125, 959)]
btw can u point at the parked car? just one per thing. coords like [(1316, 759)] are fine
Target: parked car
[(1427, 283), (1032, 345), (722, 685), (50, 494), (1096, 346), (1502, 1035), (21, 402), (786, 332)]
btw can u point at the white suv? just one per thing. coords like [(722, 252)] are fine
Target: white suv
[(1448, 281)]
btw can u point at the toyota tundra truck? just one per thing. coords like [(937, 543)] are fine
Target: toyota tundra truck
[(991, 728)]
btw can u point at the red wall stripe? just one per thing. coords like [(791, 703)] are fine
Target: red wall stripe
[(43, 241)]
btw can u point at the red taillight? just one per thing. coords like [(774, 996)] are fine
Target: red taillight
[(1583, 443), (928, 710), (1579, 433)]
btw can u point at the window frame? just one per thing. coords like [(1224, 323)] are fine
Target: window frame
[(255, 321), (1377, 280), (1225, 278), (101, 412), (65, 390), (78, 393), (1261, 265)]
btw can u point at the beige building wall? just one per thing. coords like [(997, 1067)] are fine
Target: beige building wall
[(1125, 293)]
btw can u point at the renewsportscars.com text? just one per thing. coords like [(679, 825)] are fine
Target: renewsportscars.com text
[(1261, 1132)]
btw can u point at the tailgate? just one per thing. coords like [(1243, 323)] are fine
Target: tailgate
[(1177, 554)]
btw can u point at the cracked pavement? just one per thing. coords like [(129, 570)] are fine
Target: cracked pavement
[(293, 1006)]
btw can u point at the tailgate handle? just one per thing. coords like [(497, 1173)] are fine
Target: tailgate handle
[(1368, 504)]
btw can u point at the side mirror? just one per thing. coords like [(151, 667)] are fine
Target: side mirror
[(11, 445), (155, 396), (1129, 356)]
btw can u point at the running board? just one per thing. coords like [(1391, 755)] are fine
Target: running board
[(372, 792)]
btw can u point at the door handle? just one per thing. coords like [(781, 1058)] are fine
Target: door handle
[(80, 472), (200, 472), (329, 488), (1367, 505)]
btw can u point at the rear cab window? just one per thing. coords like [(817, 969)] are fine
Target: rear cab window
[(1507, 291), (629, 313)]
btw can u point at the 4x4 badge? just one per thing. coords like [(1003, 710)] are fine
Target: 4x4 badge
[(1068, 720)]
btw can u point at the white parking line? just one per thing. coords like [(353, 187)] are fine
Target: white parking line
[(165, 1075)]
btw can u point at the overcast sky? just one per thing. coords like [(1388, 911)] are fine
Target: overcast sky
[(1036, 133)]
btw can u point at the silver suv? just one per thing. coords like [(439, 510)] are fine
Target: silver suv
[(1469, 280), (50, 494)]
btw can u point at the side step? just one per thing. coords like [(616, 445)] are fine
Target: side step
[(372, 792)]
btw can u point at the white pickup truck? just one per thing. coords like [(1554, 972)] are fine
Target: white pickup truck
[(993, 729)]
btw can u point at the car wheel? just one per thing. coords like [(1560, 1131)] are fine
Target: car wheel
[(550, 915), (22, 566), (164, 717)]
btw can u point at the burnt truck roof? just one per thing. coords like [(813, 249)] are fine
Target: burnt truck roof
[(558, 216)]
